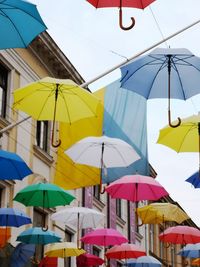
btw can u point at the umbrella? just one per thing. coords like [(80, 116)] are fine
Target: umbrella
[(160, 212), (80, 216), (22, 254), (136, 188), (36, 235), (185, 138), (190, 251), (141, 4), (64, 250), (57, 99), (194, 179), (20, 23), (147, 261), (102, 152), (13, 217), (125, 251), (5, 234), (5, 254), (160, 66), (12, 166), (48, 262), (196, 262), (180, 234), (104, 237), (131, 262), (44, 195), (87, 259)]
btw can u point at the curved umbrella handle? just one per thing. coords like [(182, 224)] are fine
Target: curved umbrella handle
[(167, 245), (102, 190), (44, 229), (170, 123), (121, 23), (56, 145)]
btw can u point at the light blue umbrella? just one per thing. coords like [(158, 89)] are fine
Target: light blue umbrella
[(36, 235), (164, 73), (147, 261), (190, 251), (13, 217), (194, 179), (20, 23), (12, 166), (22, 254)]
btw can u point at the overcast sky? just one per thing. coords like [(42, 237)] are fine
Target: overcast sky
[(94, 43)]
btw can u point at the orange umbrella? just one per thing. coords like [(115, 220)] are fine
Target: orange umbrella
[(196, 262), (5, 234)]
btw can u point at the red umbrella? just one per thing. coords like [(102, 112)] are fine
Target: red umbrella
[(141, 4), (136, 188), (104, 237), (87, 259), (180, 235), (49, 262), (125, 251)]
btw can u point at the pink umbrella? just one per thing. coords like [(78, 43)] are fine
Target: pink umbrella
[(104, 237), (87, 259), (180, 235), (125, 251), (136, 187)]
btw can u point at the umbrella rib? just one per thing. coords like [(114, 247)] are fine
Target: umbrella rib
[(64, 99), (180, 81)]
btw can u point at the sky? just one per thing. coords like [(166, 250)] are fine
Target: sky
[(93, 42)]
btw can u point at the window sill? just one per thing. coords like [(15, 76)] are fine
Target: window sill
[(120, 221), (3, 123), (98, 203), (41, 154)]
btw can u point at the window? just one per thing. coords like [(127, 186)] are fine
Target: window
[(3, 90), (119, 207), (43, 135), (96, 192), (1, 196), (96, 251), (151, 237), (68, 238)]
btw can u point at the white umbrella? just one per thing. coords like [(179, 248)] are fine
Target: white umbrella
[(81, 216), (102, 152)]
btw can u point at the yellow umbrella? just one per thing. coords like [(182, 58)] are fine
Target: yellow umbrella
[(64, 250), (56, 99), (185, 138), (156, 213)]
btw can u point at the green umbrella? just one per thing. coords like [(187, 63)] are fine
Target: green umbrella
[(44, 195)]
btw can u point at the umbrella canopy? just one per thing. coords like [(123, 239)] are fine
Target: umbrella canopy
[(190, 251), (5, 234), (63, 250), (163, 69), (48, 262), (22, 254), (147, 261), (131, 262), (57, 99), (141, 4), (44, 195), (81, 216), (185, 138), (136, 188), (125, 251), (104, 237), (194, 179), (180, 235), (196, 262), (13, 217), (20, 23), (160, 212), (87, 259), (12, 166), (5, 254), (36, 235)]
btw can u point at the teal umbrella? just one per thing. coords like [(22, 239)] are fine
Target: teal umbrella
[(44, 195)]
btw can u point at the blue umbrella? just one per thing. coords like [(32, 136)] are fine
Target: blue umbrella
[(12, 166), (194, 179), (20, 23), (36, 235), (13, 217), (130, 262), (22, 254), (147, 261), (153, 75), (190, 251)]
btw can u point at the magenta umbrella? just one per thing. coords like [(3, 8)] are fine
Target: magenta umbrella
[(180, 234), (104, 237), (136, 188)]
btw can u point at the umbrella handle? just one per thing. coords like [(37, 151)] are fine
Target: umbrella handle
[(52, 137), (44, 229), (102, 190), (121, 23), (167, 245), (170, 123)]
